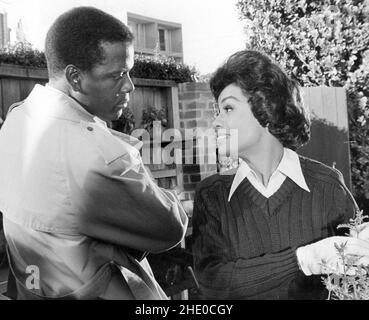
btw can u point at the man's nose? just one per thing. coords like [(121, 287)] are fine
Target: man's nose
[(127, 85)]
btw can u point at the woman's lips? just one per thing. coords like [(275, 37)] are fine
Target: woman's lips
[(221, 139), (223, 136)]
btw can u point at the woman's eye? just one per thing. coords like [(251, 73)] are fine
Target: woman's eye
[(227, 109)]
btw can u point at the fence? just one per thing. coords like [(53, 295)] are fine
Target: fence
[(189, 106), (17, 82), (330, 134)]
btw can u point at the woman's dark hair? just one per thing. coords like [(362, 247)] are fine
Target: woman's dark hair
[(274, 97), (76, 36)]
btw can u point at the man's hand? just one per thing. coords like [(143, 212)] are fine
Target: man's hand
[(310, 257)]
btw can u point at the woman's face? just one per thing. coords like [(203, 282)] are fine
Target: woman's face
[(236, 119)]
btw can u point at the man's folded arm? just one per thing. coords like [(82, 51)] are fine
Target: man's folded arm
[(129, 210)]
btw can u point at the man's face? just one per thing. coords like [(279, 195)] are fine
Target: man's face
[(105, 89)]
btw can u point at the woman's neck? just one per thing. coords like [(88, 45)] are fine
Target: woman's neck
[(264, 158)]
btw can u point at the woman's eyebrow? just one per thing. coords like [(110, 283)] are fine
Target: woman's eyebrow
[(229, 97)]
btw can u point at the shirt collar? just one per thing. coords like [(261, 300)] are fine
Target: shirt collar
[(289, 166)]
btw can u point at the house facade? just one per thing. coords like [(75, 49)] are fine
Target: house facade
[(156, 36)]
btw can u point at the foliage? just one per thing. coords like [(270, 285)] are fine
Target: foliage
[(353, 284), (321, 43), (354, 224), (126, 122), (163, 68), (151, 114), (23, 55), (157, 67)]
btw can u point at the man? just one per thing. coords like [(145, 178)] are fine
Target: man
[(80, 210)]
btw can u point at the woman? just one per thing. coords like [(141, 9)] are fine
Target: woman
[(257, 233)]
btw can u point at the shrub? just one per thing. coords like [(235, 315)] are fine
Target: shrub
[(151, 114), (126, 122), (321, 43), (163, 68), (156, 67), (23, 55)]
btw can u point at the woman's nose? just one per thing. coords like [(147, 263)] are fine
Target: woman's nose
[(218, 122)]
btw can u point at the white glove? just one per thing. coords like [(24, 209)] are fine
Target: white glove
[(362, 232), (311, 257)]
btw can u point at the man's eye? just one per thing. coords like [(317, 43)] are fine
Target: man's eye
[(120, 75)]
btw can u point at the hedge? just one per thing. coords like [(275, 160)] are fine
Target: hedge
[(156, 67)]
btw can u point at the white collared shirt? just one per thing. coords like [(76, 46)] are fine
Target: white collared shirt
[(288, 167)]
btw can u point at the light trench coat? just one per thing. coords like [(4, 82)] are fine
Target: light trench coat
[(80, 210)]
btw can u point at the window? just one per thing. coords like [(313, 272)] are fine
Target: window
[(139, 32), (162, 39)]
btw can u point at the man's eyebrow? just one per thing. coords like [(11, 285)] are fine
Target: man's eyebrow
[(229, 97), (120, 71)]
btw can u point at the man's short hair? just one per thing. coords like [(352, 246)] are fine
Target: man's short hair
[(76, 37), (274, 97)]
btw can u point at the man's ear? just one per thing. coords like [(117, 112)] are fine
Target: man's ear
[(73, 75)]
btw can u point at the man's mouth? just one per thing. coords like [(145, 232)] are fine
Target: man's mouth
[(123, 103)]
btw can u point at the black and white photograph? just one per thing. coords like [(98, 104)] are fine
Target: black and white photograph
[(196, 152)]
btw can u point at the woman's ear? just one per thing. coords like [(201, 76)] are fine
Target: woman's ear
[(73, 75)]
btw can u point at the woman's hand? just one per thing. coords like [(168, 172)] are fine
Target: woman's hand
[(312, 256), (362, 231)]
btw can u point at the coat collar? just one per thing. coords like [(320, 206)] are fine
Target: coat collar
[(48, 102)]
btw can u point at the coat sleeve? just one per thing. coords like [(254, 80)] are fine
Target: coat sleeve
[(117, 202), (222, 276)]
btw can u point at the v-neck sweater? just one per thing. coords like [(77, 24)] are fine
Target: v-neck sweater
[(245, 248)]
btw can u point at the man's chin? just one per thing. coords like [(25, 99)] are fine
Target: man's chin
[(119, 113)]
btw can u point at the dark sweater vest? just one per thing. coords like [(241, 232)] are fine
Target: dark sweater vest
[(245, 248)]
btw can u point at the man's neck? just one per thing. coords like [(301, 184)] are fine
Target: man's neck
[(60, 85)]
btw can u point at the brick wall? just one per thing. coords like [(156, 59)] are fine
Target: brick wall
[(196, 114)]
